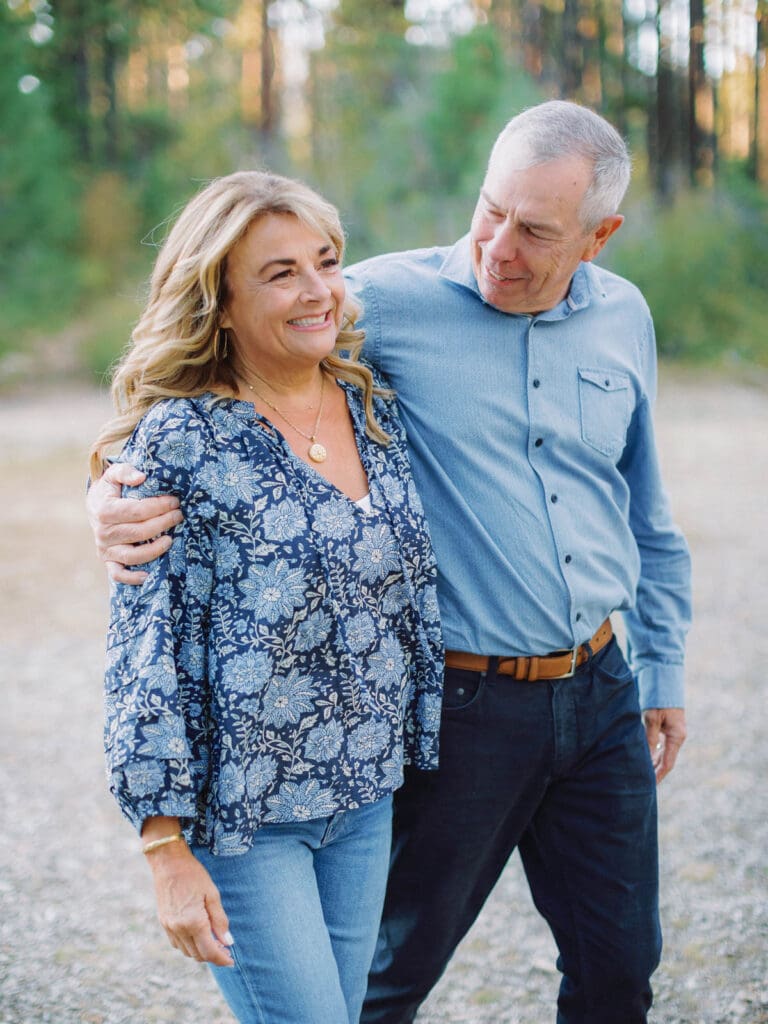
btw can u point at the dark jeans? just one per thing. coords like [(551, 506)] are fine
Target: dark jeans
[(562, 770)]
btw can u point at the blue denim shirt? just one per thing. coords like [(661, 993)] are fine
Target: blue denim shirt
[(284, 658), (532, 446)]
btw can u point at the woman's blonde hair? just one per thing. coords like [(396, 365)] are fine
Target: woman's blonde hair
[(178, 349)]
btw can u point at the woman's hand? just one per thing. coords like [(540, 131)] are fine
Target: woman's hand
[(189, 906)]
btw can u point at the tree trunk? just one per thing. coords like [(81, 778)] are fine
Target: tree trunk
[(267, 118), (73, 74), (663, 136), (572, 53), (759, 148), (109, 65), (701, 137), (533, 38)]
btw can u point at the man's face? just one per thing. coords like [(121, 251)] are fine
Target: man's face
[(527, 239)]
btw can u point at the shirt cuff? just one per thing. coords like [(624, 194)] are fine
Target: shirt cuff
[(661, 686)]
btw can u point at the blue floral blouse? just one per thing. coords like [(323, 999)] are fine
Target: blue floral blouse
[(284, 658)]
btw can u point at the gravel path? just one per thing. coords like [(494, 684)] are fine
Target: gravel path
[(79, 943)]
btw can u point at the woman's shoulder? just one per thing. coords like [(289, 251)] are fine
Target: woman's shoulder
[(172, 413), (166, 423)]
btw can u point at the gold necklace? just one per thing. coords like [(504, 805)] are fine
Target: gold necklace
[(316, 451)]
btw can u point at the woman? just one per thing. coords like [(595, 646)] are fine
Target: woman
[(282, 661)]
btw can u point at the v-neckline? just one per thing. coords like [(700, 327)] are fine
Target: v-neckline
[(243, 406)]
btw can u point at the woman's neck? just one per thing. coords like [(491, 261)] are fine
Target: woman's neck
[(298, 387)]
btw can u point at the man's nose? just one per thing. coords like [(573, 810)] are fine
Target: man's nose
[(502, 246)]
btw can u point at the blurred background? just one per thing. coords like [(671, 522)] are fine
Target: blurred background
[(113, 112)]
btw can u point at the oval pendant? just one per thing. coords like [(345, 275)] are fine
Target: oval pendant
[(317, 452)]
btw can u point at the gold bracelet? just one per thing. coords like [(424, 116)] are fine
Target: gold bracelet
[(157, 843)]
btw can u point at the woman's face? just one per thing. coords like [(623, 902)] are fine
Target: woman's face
[(286, 297)]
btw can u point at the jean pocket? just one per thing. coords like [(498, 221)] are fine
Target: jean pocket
[(461, 689), (604, 402), (611, 665)]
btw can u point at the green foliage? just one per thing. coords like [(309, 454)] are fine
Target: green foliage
[(701, 266), (409, 176), (107, 330), (472, 96), (95, 161), (38, 199)]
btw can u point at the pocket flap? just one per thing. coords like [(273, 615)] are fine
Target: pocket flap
[(606, 380)]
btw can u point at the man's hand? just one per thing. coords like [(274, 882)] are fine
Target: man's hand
[(122, 525), (665, 730)]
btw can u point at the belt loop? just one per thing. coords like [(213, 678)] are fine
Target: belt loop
[(521, 668), (533, 671)]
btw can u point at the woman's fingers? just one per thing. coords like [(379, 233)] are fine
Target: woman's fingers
[(185, 892), (196, 940), (219, 924)]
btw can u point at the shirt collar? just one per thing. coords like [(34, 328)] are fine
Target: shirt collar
[(457, 268)]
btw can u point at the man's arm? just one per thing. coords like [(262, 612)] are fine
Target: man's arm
[(129, 531), (658, 624)]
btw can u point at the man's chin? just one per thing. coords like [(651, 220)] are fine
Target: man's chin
[(509, 297)]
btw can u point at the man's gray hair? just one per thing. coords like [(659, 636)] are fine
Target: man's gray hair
[(558, 128)]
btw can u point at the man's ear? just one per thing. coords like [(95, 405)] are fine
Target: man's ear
[(600, 236)]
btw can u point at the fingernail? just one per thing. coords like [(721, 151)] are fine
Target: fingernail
[(228, 940)]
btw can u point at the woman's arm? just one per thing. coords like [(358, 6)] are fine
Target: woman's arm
[(188, 903)]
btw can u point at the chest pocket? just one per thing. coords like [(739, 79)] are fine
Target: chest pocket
[(604, 402)]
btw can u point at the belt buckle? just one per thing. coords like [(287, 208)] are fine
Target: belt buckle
[(572, 670)]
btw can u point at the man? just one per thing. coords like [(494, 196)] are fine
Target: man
[(525, 377)]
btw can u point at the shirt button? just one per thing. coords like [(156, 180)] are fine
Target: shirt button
[(553, 498), (568, 559), (536, 382), (539, 442), (607, 382), (578, 616)]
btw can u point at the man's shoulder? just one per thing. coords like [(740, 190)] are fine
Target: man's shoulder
[(608, 286), (391, 265)]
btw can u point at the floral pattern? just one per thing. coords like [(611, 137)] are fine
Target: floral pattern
[(284, 659)]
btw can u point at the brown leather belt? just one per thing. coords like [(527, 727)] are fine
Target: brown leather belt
[(558, 665)]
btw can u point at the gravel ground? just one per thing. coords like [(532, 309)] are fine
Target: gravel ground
[(79, 943)]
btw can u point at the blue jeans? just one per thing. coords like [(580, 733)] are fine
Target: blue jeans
[(560, 769), (304, 906)]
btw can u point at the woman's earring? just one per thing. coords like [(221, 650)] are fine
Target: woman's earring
[(221, 345)]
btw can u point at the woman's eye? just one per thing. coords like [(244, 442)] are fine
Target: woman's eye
[(281, 274), (330, 264)]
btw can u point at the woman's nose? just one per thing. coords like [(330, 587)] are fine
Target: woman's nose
[(314, 287)]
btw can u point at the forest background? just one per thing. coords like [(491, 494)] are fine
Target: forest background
[(113, 112)]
